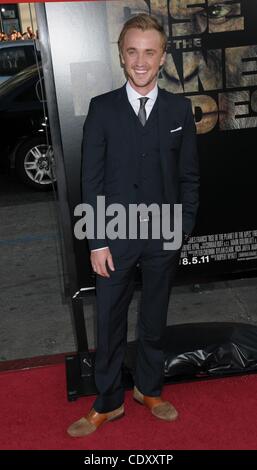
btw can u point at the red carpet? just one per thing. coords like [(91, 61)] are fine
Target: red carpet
[(216, 414)]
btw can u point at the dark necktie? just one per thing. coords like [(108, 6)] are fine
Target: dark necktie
[(142, 111)]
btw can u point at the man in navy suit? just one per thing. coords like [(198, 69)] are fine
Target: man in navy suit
[(139, 146)]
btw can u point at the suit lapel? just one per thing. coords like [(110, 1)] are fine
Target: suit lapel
[(164, 123), (167, 120), (122, 108), (126, 130)]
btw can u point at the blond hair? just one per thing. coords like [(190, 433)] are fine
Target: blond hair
[(143, 22)]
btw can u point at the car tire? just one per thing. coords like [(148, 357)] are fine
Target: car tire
[(34, 164)]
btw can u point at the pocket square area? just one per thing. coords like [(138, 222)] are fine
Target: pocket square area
[(177, 129)]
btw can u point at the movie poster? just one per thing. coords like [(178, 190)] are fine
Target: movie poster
[(211, 59)]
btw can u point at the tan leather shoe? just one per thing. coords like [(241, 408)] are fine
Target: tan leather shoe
[(159, 408), (88, 424)]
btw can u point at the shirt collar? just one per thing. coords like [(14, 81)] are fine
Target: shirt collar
[(133, 95)]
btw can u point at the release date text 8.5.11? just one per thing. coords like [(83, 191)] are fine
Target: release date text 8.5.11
[(195, 260)]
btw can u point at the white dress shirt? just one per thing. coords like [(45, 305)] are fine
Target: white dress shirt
[(133, 97)]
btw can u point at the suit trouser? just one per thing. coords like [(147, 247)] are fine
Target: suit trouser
[(113, 297)]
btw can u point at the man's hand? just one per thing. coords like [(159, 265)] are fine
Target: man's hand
[(98, 261)]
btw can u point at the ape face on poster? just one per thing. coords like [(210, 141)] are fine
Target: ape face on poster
[(211, 59)]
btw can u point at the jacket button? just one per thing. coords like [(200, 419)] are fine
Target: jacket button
[(143, 155)]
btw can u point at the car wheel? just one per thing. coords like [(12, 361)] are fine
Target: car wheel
[(34, 164)]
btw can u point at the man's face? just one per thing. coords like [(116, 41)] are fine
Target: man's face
[(142, 56)]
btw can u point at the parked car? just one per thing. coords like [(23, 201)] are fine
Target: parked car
[(16, 56), (25, 135)]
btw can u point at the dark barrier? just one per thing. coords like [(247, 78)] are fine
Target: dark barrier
[(195, 351)]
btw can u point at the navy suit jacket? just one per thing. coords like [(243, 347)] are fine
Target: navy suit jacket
[(109, 154)]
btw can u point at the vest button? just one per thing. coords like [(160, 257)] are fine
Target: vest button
[(135, 186)]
